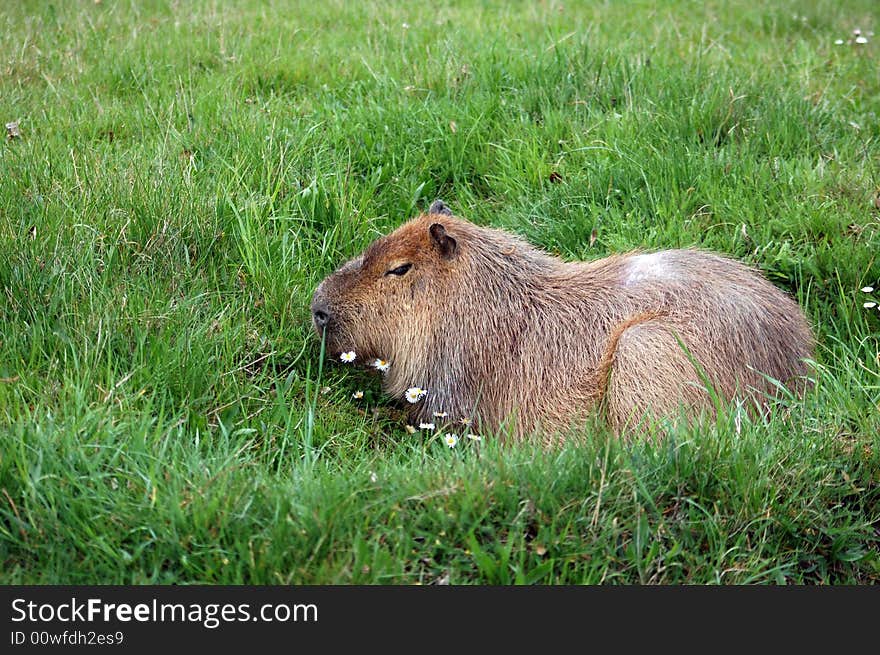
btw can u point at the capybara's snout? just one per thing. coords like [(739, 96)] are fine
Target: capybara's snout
[(322, 313)]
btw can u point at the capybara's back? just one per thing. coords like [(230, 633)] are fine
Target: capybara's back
[(496, 331)]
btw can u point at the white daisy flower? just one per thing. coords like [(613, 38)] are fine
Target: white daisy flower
[(410, 428), (867, 289), (465, 420), (440, 414), (415, 394), (861, 40), (451, 440), (474, 437), (838, 42), (426, 426), (357, 395), (348, 357), (373, 477), (381, 364), (869, 305)]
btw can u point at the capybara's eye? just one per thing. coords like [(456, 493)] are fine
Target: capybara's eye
[(400, 270)]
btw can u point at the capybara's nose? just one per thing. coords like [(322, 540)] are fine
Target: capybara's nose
[(321, 316)]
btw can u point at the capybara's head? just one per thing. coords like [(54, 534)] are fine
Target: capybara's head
[(377, 304), (439, 300)]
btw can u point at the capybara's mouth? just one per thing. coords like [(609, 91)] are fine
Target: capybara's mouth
[(334, 348), (343, 352), (331, 345)]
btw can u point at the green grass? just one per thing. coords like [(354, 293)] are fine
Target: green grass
[(188, 172)]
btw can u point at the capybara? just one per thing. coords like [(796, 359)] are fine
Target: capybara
[(497, 332)]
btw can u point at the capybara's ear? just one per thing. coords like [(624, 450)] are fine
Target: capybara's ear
[(445, 243), (439, 207)]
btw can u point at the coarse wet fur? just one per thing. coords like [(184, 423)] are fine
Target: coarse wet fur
[(515, 339)]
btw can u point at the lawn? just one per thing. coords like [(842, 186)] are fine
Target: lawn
[(181, 176)]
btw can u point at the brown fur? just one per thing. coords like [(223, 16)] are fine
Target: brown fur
[(501, 332)]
